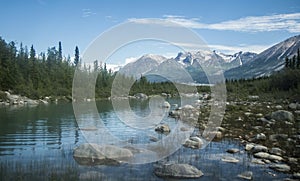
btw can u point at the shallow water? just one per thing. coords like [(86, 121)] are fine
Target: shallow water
[(36, 143)]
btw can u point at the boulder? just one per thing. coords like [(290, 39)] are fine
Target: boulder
[(293, 106), (93, 154), (280, 167), (193, 142), (141, 96), (229, 159), (249, 146), (282, 115), (276, 151), (166, 105), (260, 137), (178, 171), (163, 128), (262, 155), (246, 175), (232, 150), (259, 148)]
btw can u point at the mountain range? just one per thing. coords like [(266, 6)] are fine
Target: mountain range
[(237, 66)]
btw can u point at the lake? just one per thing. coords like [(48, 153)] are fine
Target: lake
[(36, 143)]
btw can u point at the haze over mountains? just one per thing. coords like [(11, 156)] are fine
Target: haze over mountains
[(236, 66)]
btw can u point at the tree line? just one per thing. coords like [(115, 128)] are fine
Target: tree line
[(23, 71)]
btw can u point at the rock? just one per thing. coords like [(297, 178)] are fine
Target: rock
[(253, 97), (141, 96), (278, 107), (247, 113), (174, 114), (280, 167), (154, 139), (229, 159), (260, 137), (192, 144), (276, 137), (293, 106), (197, 139), (166, 105), (268, 156), (262, 155), (178, 171), (275, 158), (257, 161), (276, 151), (92, 175), (259, 148), (282, 115), (232, 150), (249, 146), (188, 107), (90, 153), (259, 115), (246, 175), (163, 128), (213, 134), (221, 129), (297, 112), (296, 176)]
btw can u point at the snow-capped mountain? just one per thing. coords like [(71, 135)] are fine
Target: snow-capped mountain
[(236, 66), (142, 65), (214, 58), (267, 62)]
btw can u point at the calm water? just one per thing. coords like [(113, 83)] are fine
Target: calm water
[(36, 143)]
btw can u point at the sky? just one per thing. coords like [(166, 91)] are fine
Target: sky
[(227, 26)]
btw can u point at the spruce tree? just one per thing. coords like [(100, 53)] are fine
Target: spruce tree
[(59, 52), (286, 62), (76, 60), (298, 58)]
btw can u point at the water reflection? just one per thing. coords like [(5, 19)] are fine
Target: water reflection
[(36, 143)]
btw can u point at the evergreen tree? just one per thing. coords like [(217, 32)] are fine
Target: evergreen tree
[(293, 62), (76, 60), (286, 62), (298, 58), (59, 52)]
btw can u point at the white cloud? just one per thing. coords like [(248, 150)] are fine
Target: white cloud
[(87, 12), (277, 22)]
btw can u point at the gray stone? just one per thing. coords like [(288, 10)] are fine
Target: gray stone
[(293, 106), (276, 137), (166, 105), (229, 159), (257, 161), (282, 115), (163, 128), (276, 151), (178, 171), (259, 148), (278, 107), (249, 146), (90, 153), (275, 158), (232, 150), (281, 167), (262, 155), (260, 137), (246, 175), (141, 96)]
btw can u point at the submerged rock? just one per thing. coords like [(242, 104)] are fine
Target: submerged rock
[(246, 175), (163, 128), (166, 105), (93, 154), (178, 171), (229, 159), (193, 142), (232, 150)]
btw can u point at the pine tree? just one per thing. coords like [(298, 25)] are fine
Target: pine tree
[(294, 62), (76, 60), (298, 58), (286, 62), (59, 52)]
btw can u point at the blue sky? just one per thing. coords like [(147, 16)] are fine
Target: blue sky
[(227, 26)]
